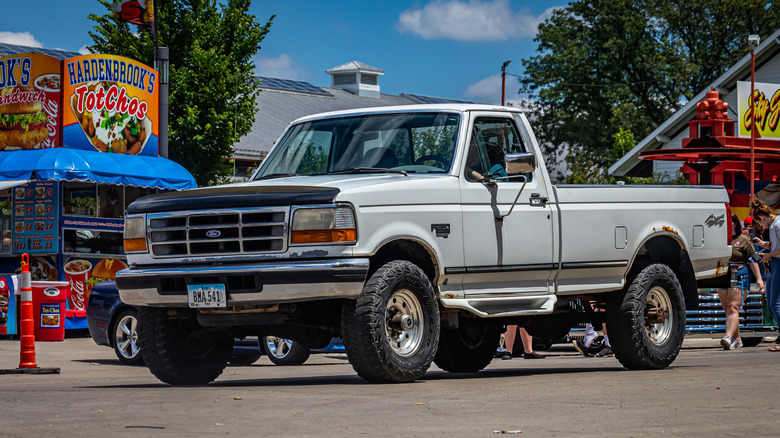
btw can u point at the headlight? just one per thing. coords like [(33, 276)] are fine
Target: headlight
[(135, 234), (323, 225)]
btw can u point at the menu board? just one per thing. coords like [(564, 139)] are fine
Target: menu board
[(35, 217)]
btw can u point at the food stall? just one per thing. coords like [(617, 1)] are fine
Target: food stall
[(78, 144)]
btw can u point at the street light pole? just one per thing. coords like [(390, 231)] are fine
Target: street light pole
[(503, 80), (163, 66), (753, 41)]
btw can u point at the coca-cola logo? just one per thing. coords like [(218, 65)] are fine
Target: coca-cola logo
[(52, 110), (78, 293)]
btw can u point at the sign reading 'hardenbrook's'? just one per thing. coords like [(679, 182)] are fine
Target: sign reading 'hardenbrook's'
[(111, 104)]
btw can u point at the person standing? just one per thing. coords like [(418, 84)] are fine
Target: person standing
[(769, 221), (731, 297), (509, 342)]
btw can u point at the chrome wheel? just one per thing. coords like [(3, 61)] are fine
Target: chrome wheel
[(404, 317), (125, 338), (278, 347), (659, 318), (285, 351)]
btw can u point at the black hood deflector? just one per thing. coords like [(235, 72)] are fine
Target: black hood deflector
[(233, 197)]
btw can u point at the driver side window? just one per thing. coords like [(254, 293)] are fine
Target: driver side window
[(491, 139)]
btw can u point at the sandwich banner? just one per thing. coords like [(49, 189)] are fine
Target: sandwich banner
[(29, 102), (110, 104)]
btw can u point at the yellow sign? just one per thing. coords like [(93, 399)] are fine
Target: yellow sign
[(766, 100)]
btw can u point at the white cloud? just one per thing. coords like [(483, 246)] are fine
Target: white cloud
[(20, 39), (83, 50), (471, 20), (283, 67), (486, 90)]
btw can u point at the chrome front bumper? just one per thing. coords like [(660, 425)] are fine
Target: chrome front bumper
[(268, 283)]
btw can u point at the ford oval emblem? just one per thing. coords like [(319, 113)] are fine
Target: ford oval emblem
[(213, 233)]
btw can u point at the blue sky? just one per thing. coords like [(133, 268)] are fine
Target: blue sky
[(444, 48)]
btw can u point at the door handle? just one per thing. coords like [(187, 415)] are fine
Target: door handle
[(537, 200)]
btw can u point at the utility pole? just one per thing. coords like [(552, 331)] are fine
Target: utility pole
[(503, 80), (753, 41)]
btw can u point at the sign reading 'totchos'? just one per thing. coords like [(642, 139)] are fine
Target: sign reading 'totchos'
[(110, 105)]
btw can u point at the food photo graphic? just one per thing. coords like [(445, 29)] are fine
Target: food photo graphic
[(110, 105), (22, 119), (30, 92), (111, 130)]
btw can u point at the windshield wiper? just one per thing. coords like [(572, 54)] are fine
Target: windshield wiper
[(368, 170), (276, 175)]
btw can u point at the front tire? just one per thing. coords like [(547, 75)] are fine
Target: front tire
[(469, 348), (179, 351), (125, 338), (646, 329), (391, 331)]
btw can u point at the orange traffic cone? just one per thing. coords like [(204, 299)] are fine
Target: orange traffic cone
[(26, 324)]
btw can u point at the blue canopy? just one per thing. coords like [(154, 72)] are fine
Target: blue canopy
[(64, 164)]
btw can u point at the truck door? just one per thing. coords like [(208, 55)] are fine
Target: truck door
[(513, 255)]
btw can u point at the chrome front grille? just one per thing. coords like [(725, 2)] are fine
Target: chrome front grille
[(261, 230)]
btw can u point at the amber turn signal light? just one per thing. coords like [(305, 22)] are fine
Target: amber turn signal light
[(323, 236), (135, 245)]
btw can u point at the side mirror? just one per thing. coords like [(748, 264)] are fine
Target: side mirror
[(521, 162)]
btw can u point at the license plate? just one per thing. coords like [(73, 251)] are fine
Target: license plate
[(207, 295)]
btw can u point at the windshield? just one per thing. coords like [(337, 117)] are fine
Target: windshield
[(404, 143)]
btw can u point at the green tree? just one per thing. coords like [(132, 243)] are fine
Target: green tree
[(713, 33), (437, 143), (606, 65), (212, 84)]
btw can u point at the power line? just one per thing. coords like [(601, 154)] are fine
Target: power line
[(595, 85)]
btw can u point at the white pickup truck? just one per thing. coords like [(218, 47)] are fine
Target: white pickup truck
[(416, 234)]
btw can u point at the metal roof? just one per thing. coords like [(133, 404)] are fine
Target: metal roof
[(290, 85), (431, 99), (13, 49), (354, 66)]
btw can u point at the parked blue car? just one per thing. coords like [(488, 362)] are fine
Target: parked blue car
[(113, 323)]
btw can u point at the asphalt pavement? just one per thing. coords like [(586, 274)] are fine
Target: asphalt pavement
[(706, 392)]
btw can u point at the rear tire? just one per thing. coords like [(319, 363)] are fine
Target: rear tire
[(285, 352), (391, 331), (640, 338), (469, 348), (179, 351)]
